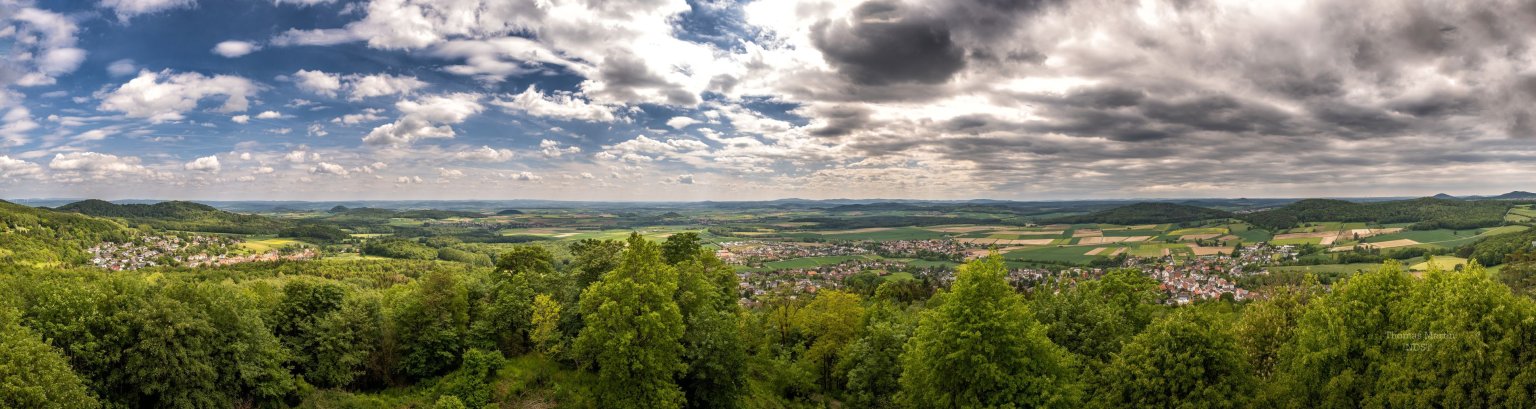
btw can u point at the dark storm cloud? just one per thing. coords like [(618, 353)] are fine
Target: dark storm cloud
[(842, 120), (623, 74), (882, 43)]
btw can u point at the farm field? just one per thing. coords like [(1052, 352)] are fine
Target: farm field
[(1444, 263), (264, 245)]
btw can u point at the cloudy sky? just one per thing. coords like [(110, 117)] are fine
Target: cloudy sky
[(722, 100)]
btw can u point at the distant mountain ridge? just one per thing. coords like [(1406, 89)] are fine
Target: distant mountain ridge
[(1146, 213), (180, 215)]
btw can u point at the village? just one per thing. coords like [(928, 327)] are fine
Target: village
[(185, 251), (1183, 280)]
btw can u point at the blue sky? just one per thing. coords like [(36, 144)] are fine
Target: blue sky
[(722, 100)]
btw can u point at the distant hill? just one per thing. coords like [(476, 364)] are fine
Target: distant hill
[(1444, 196), (178, 215), (35, 236), (1425, 213), (1516, 195), (1146, 213), (509, 212)]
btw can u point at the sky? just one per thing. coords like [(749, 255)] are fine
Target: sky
[(680, 100)]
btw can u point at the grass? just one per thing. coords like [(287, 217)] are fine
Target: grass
[(1444, 263), (1297, 241), (271, 244), (1329, 268), (899, 233), (1069, 254), (1254, 235), (1198, 230), (1156, 249)]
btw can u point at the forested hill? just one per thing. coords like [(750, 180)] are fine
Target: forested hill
[(178, 215), (33, 236), (1146, 213), (1426, 213)]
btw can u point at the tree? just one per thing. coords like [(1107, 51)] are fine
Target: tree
[(1187, 359), (632, 333), (1266, 326), (680, 247), (34, 374), (981, 347), (1094, 318), (873, 361), (1383, 339), (432, 322), (1519, 272), (546, 321), (711, 341), (830, 321)]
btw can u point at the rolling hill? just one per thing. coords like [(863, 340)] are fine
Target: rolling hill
[(1425, 213), (1146, 213), (37, 237), (179, 215)]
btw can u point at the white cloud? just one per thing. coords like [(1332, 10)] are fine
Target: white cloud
[(121, 67), (329, 168), (485, 154), (269, 115), (450, 173), (316, 130), (235, 48), (204, 164), (680, 122), (15, 125), (318, 82), (526, 176), (263, 170), (553, 149), (43, 47), (240, 119), (368, 115), (562, 104), (19, 169), (685, 179), (356, 86), (426, 118), (377, 85), (316, 37), (408, 179), (303, 3), (127, 9), (96, 165), (166, 96), (246, 178)]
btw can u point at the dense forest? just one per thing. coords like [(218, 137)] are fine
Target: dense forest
[(1424, 213), (644, 324), (176, 215), (1146, 213)]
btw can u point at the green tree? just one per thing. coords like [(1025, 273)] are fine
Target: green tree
[(873, 361), (1268, 325), (1384, 339), (981, 347), (711, 341), (1094, 318), (831, 321), (680, 247), (1187, 359), (431, 324), (33, 374), (632, 333), (546, 324)]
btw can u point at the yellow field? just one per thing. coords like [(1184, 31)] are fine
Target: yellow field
[(263, 246)]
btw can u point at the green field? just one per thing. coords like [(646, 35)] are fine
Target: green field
[(1156, 250), (1253, 235), (1198, 230), (1444, 263), (1329, 268), (899, 233), (1069, 254), (1297, 241), (1520, 214), (269, 244)]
